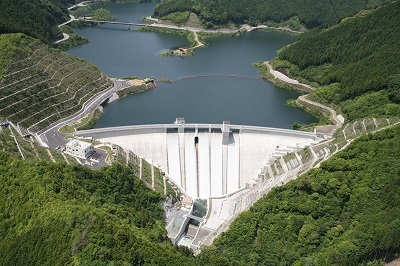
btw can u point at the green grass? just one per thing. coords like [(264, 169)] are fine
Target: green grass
[(110, 154), (89, 120), (264, 71), (178, 18), (146, 173)]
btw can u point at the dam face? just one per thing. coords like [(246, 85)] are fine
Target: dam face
[(206, 160)]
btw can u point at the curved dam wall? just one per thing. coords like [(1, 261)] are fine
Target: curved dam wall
[(206, 160)]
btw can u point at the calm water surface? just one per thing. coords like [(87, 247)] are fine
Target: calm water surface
[(120, 52)]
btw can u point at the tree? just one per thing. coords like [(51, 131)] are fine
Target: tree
[(101, 14)]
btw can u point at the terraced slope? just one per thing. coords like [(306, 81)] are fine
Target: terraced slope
[(40, 85), (29, 149)]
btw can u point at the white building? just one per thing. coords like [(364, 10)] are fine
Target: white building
[(80, 149)]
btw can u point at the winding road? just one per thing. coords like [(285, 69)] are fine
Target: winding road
[(65, 35), (302, 99), (333, 115), (54, 138), (286, 79)]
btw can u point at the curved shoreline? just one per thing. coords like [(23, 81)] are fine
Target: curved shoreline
[(338, 120), (244, 27), (194, 30)]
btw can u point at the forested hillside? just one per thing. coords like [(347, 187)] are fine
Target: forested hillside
[(346, 212), (36, 18), (357, 61), (309, 13), (39, 84), (54, 214)]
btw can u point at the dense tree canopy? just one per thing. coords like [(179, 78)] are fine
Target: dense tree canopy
[(310, 13), (36, 18), (356, 62), (346, 212), (54, 214), (362, 51)]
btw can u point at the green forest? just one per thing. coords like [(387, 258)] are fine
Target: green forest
[(55, 214), (309, 13), (59, 214), (347, 212), (36, 18), (356, 63)]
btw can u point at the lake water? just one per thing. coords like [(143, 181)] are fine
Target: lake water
[(121, 52)]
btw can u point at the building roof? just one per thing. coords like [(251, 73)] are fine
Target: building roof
[(226, 126), (187, 200), (180, 120), (79, 143)]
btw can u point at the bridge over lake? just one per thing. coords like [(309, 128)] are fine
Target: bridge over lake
[(114, 22)]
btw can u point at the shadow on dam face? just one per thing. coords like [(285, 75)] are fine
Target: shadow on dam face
[(196, 146)]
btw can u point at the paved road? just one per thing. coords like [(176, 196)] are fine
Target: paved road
[(159, 25), (54, 138), (274, 28), (243, 27), (71, 18), (285, 78), (333, 115), (65, 37), (84, 3)]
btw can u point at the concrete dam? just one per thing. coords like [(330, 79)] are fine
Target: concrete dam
[(206, 160)]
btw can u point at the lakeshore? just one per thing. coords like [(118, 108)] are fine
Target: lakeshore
[(208, 99), (302, 100), (119, 60)]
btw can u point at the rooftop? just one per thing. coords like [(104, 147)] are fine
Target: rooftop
[(187, 200), (78, 143), (180, 121)]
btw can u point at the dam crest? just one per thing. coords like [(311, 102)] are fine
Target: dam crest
[(206, 160)]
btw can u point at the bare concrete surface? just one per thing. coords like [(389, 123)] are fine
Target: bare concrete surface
[(393, 263)]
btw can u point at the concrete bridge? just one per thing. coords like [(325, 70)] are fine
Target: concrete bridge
[(195, 218), (206, 160), (113, 22)]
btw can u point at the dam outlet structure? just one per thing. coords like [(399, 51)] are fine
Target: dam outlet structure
[(206, 160)]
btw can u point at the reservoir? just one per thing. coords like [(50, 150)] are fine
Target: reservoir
[(212, 98)]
